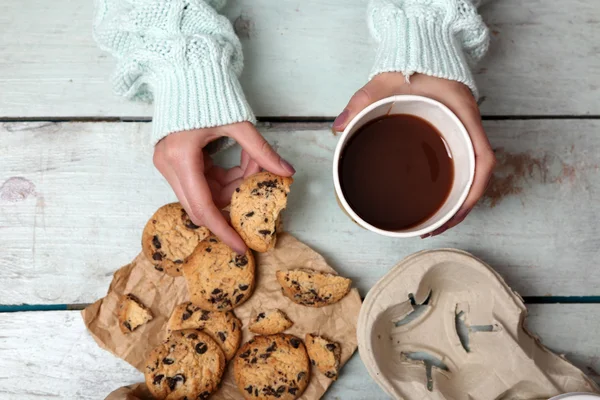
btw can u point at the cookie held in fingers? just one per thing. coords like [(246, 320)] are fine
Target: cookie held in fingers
[(170, 237), (188, 365), (324, 354), (270, 322), (218, 279), (223, 327), (132, 313), (312, 288), (272, 367), (255, 209)]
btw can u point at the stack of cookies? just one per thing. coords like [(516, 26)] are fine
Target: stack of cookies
[(204, 334)]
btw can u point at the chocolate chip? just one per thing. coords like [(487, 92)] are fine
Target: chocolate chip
[(158, 268), (245, 354), (241, 261), (208, 249), (272, 347), (186, 316), (203, 395), (157, 256), (153, 221), (301, 375), (213, 240), (127, 325), (168, 361), (260, 316), (248, 389), (264, 232), (216, 291), (256, 392), (178, 262), (222, 336), (251, 213), (237, 190), (239, 298), (266, 220), (243, 287), (268, 184), (172, 382), (191, 225), (330, 374), (281, 389), (205, 315), (313, 362), (158, 379), (295, 342), (254, 360), (265, 356), (192, 336), (330, 346), (156, 242), (293, 390), (201, 348)]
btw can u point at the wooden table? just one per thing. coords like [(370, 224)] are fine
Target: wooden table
[(77, 182)]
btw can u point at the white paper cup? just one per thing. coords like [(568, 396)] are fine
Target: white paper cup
[(452, 131), (577, 396)]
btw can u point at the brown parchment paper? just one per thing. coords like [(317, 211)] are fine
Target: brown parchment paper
[(161, 293)]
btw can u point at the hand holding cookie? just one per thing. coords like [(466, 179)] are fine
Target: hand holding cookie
[(204, 188)]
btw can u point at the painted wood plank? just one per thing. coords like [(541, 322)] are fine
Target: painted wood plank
[(74, 198), (303, 58), (54, 354)]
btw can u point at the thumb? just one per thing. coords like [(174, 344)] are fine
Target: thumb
[(373, 91), (259, 149)]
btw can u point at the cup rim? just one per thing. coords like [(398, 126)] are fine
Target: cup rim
[(342, 141)]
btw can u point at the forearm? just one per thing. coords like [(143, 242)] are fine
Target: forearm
[(182, 55), (440, 38)]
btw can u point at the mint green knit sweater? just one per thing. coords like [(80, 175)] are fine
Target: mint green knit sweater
[(185, 57)]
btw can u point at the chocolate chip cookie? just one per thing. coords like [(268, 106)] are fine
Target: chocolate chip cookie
[(170, 237), (324, 354), (218, 279), (272, 367), (255, 209), (223, 327), (270, 322), (313, 288), (188, 365), (132, 313)]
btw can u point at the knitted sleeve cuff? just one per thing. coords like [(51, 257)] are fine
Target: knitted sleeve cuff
[(202, 97), (434, 38)]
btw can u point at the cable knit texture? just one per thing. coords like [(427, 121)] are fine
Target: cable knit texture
[(180, 54), (441, 38)]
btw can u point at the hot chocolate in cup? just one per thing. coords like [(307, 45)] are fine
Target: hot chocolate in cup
[(400, 115)]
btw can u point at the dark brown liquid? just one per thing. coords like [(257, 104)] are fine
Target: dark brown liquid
[(396, 172)]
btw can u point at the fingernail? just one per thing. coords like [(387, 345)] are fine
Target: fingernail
[(287, 166), (341, 119), (462, 214)]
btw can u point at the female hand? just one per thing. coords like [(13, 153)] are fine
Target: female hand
[(203, 188), (454, 95)]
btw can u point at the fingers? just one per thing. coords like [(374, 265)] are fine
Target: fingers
[(259, 149), (374, 90), (202, 210), (247, 164), (485, 162)]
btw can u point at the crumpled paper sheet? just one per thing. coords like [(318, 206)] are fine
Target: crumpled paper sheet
[(161, 293)]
